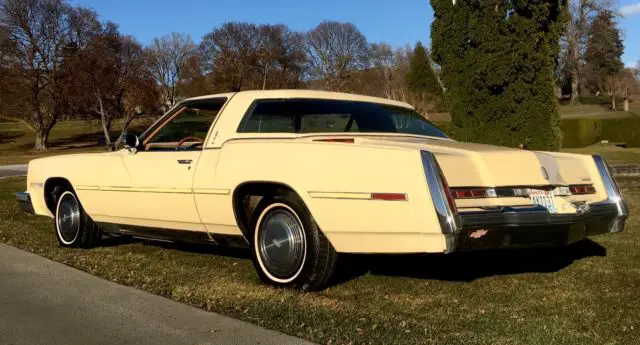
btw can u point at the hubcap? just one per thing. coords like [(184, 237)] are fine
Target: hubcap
[(281, 243), (68, 218)]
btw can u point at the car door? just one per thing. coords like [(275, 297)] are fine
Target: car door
[(161, 172)]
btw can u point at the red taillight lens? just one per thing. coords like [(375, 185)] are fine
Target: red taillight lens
[(469, 193), (578, 190), (447, 192)]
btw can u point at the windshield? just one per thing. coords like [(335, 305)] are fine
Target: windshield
[(334, 116)]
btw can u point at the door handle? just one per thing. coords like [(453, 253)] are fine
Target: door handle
[(184, 161)]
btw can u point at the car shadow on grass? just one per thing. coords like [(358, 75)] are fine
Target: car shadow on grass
[(460, 267), (469, 266), (197, 248)]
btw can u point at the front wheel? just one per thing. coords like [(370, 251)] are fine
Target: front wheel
[(289, 250), (74, 228)]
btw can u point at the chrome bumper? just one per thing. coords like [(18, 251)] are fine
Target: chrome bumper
[(24, 202), (535, 226)]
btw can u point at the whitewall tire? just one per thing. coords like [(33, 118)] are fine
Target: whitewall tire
[(289, 250)]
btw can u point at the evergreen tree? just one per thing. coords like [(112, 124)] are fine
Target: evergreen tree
[(604, 51), (498, 59), (421, 76)]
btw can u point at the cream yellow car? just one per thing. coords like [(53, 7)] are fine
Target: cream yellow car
[(301, 176)]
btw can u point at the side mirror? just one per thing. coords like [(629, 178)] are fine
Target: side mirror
[(130, 142)]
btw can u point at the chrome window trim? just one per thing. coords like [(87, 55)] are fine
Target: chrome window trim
[(449, 221)]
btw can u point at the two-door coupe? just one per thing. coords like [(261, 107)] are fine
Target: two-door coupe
[(300, 176)]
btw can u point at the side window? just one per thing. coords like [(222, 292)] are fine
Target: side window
[(186, 129), (189, 123), (270, 117), (297, 116)]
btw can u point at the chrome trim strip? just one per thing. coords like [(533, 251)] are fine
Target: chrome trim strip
[(211, 191), (86, 187), (449, 222), (156, 190), (146, 190), (609, 185), (340, 195)]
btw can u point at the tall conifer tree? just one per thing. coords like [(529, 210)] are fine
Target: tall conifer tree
[(497, 59)]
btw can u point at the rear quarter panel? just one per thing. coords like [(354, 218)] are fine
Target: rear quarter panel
[(332, 178)]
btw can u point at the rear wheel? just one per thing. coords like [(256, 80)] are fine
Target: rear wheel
[(74, 228), (289, 250)]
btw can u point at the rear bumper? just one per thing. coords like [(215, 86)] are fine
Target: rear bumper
[(535, 226), (24, 202)]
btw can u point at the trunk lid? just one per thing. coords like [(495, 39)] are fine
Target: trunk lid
[(479, 165)]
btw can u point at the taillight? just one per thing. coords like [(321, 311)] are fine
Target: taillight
[(473, 193), (579, 190), (446, 190), (442, 198)]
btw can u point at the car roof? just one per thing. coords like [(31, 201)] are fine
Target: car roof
[(314, 94)]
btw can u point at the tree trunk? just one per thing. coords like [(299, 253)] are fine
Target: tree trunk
[(105, 130), (106, 123), (574, 53), (626, 99), (575, 93), (42, 138), (613, 102)]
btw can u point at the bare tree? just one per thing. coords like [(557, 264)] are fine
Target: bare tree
[(581, 12), (230, 55), (39, 34), (282, 57), (241, 56), (621, 85), (110, 80), (381, 58), (167, 56), (336, 50)]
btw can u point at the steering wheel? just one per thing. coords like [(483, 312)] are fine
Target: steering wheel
[(199, 141)]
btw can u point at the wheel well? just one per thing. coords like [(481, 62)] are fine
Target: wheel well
[(246, 198), (53, 188)]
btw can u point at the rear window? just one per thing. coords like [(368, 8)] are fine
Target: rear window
[(329, 116)]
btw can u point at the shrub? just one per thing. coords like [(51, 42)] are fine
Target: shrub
[(580, 132), (625, 130), (584, 131)]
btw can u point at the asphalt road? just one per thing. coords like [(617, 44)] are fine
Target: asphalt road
[(13, 170), (44, 302)]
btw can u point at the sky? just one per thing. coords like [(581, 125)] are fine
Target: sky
[(397, 22)]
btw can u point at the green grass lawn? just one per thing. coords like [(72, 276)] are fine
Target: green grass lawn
[(570, 112), (77, 136), (588, 293), (613, 154)]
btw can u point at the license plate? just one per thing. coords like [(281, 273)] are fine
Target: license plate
[(544, 199)]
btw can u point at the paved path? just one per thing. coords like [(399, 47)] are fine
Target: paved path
[(13, 170), (44, 302)]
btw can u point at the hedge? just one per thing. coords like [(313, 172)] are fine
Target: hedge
[(580, 132), (583, 132), (625, 130)]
